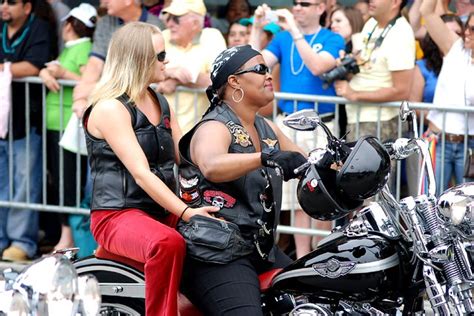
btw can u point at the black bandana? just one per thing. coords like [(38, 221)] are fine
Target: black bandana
[(226, 64)]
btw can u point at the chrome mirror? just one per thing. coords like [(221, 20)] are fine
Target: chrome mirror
[(303, 120), (405, 111)]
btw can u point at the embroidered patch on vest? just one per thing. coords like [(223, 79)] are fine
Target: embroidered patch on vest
[(219, 199), (241, 137), (188, 189), (270, 142), (166, 121)]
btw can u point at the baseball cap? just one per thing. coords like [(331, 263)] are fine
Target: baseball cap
[(270, 27), (84, 13), (181, 7)]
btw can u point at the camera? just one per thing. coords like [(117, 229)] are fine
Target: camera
[(271, 16), (348, 66)]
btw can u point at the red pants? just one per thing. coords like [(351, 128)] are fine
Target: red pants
[(134, 234)]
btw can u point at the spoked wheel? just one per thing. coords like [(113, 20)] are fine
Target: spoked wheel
[(125, 308)]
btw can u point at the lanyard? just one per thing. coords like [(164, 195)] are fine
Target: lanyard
[(11, 49), (380, 39)]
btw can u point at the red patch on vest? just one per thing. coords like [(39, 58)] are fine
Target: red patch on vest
[(166, 121), (219, 199)]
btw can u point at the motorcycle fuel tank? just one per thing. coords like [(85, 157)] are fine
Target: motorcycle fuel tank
[(361, 268)]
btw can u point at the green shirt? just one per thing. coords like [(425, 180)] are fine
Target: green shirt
[(73, 57)]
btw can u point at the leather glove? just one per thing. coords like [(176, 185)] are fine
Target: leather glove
[(286, 161)]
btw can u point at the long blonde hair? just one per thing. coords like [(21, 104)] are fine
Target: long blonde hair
[(130, 63)]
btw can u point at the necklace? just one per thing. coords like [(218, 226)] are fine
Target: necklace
[(11, 49), (300, 69)]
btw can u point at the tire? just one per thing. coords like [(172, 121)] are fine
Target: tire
[(117, 306), (110, 273)]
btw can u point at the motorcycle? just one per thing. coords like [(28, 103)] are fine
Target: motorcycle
[(391, 258), (49, 286)]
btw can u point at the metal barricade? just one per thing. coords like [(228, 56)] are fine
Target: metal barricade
[(315, 99)]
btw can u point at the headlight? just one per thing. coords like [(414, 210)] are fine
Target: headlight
[(457, 204), (50, 285), (12, 303), (89, 294)]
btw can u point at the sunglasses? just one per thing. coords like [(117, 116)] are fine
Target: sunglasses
[(303, 4), (173, 18), (161, 56), (260, 69)]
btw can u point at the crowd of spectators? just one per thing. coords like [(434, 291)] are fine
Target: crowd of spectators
[(299, 44)]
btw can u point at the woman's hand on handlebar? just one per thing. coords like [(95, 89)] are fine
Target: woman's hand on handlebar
[(204, 211)]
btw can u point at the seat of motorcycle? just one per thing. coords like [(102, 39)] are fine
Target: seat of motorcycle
[(264, 278)]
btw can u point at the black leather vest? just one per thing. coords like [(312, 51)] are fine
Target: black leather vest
[(113, 185), (242, 200)]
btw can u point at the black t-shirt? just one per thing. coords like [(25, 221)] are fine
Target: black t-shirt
[(30, 43)]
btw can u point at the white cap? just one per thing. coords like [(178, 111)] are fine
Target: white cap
[(84, 13)]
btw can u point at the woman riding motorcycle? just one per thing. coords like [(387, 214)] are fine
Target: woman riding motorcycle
[(236, 160)]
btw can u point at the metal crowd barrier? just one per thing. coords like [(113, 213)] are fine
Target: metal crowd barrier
[(316, 99)]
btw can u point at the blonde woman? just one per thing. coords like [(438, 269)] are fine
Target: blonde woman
[(132, 138)]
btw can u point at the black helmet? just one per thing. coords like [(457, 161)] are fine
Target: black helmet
[(365, 171), (327, 194)]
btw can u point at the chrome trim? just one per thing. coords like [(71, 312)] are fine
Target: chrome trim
[(92, 269), (360, 268), (135, 290)]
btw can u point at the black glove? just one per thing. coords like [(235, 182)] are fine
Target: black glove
[(286, 161)]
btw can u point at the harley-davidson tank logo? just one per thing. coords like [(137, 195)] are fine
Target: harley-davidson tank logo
[(270, 142), (333, 268), (241, 137), (219, 199)]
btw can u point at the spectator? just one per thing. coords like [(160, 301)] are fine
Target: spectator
[(463, 9), (234, 10), (304, 51), (424, 84), (26, 43), (119, 12), (238, 34), (191, 51), (348, 23), (386, 67), (77, 33), (455, 87), (363, 7)]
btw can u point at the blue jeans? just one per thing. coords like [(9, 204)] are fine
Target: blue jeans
[(453, 163), (19, 227)]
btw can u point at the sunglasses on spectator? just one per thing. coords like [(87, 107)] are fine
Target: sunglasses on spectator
[(9, 2), (174, 18), (260, 69), (304, 4), (161, 56)]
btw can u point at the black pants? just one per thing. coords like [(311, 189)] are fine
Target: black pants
[(230, 289)]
